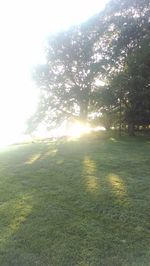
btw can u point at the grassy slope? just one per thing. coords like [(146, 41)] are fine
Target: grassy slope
[(76, 203)]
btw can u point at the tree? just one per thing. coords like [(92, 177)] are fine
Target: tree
[(127, 51), (68, 79), (112, 46)]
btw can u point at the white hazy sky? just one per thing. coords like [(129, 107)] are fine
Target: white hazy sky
[(24, 24)]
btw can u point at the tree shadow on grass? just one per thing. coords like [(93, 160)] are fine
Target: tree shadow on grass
[(86, 208)]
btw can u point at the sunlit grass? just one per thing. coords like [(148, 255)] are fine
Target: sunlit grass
[(51, 152), (89, 168), (83, 202), (117, 184), (20, 209), (33, 158)]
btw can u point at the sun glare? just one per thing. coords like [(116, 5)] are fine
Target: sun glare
[(78, 129), (68, 130), (24, 27)]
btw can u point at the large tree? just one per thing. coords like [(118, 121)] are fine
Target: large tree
[(114, 47), (68, 78)]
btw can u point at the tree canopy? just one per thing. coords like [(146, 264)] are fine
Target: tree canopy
[(99, 69)]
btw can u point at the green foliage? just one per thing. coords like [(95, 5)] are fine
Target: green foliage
[(67, 80), (112, 47), (128, 50)]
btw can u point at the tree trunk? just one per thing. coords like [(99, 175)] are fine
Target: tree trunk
[(83, 112), (120, 118), (131, 129)]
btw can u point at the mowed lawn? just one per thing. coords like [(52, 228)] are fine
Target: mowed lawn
[(83, 202)]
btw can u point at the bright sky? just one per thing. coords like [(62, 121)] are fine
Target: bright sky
[(24, 25)]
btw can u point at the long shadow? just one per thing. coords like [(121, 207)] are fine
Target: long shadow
[(79, 203), (21, 229), (123, 205)]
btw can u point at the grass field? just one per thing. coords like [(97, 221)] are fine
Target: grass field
[(83, 202)]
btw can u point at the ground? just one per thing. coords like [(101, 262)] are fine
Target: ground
[(77, 202)]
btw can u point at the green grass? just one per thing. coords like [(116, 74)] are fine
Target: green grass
[(82, 202)]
